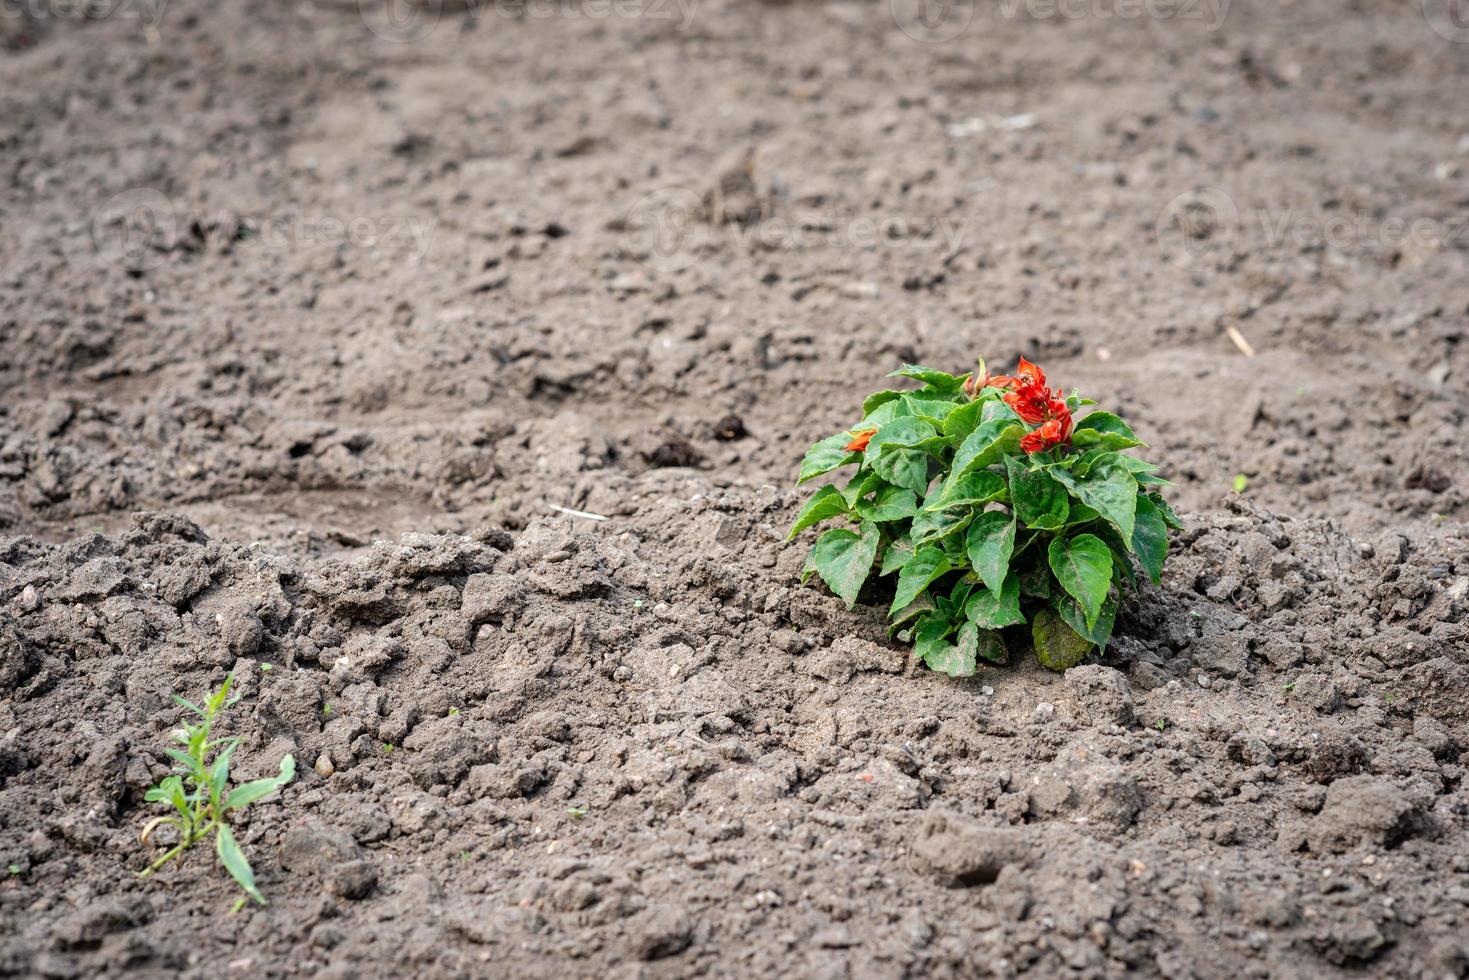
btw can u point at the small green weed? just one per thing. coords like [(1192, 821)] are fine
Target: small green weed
[(197, 791)]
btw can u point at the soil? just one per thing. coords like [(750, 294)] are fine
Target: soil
[(312, 336)]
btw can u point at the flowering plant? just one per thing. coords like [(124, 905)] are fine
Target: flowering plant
[(1000, 510)]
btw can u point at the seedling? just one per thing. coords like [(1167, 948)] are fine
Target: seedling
[(576, 812), (198, 791), (999, 510), (1161, 724), (1241, 483)]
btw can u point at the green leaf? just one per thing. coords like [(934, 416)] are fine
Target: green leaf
[(220, 774), (971, 490), (904, 431), (907, 468), (1109, 489), (1150, 538), (1097, 633), (930, 410), (929, 635), (1038, 500), (844, 558), (995, 610), (825, 504), (1057, 646), (1145, 472), (938, 381), (256, 789), (984, 446), (891, 456), (896, 556), (925, 566), (826, 456), (1083, 566), (997, 410), (1164, 508), (1080, 514), (879, 398), (990, 645), (882, 415), (859, 486), (962, 421), (191, 706), (1035, 580), (235, 862), (930, 526), (956, 659), (924, 603), (990, 543), (1106, 430), (891, 504)]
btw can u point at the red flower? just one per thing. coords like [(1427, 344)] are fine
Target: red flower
[(860, 440), (1030, 374), (1039, 406), (1055, 431)]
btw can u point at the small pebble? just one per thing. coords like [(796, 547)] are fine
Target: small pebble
[(1204, 681), (324, 767), (987, 691)]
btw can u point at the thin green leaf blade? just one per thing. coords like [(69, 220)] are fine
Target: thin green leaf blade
[(247, 793), (235, 862)]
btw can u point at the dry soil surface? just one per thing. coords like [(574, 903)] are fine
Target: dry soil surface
[(313, 316)]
